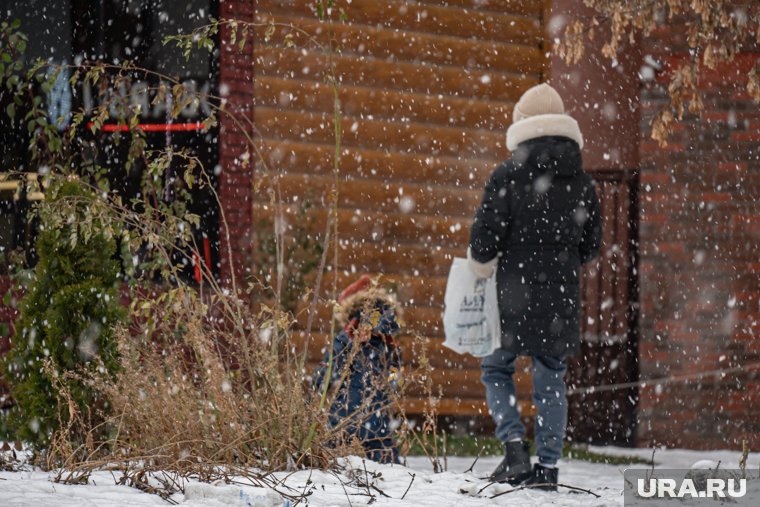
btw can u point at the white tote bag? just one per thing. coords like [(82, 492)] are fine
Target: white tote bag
[(471, 319)]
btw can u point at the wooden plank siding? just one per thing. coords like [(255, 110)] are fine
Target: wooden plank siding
[(426, 90)]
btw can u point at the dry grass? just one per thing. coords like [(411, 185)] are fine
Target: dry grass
[(210, 391), (206, 389)]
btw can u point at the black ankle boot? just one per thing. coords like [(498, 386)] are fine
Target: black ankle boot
[(543, 478), (515, 467)]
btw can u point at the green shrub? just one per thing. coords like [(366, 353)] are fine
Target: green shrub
[(66, 317)]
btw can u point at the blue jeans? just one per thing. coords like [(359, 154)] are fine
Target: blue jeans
[(548, 395)]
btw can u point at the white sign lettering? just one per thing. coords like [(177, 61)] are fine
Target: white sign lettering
[(140, 95)]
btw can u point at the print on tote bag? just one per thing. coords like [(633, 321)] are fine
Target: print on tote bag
[(471, 317)]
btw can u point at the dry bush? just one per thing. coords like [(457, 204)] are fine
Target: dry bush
[(208, 390), (205, 388)]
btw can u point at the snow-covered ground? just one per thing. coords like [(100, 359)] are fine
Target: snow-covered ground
[(454, 487)]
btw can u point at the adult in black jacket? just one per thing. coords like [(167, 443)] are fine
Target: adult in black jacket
[(537, 224)]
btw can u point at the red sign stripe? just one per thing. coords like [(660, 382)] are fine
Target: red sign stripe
[(152, 127)]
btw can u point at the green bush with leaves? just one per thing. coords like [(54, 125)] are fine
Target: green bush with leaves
[(66, 317)]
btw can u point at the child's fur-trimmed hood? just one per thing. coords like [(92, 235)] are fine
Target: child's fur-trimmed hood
[(361, 295)]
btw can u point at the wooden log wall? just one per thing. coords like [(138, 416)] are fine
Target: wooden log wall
[(426, 91)]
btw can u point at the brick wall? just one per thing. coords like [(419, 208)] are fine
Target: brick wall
[(8, 315), (700, 261), (236, 177)]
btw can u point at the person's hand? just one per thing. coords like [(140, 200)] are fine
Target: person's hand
[(481, 269)]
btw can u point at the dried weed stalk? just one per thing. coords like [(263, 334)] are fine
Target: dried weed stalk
[(424, 435)]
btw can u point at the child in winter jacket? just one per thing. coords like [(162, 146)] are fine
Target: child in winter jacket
[(362, 368)]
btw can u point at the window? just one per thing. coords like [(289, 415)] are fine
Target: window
[(112, 31)]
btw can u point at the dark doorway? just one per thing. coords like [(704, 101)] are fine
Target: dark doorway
[(609, 353)]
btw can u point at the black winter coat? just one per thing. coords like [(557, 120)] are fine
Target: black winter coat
[(540, 216)]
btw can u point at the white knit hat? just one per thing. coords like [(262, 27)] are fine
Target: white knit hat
[(541, 112), (541, 99)]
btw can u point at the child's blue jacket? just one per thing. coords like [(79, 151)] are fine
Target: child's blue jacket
[(364, 395)]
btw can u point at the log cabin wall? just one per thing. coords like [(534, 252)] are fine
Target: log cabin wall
[(426, 91)]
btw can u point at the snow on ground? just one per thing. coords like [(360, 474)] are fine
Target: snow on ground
[(454, 487)]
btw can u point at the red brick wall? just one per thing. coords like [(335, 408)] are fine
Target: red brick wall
[(601, 95), (700, 261), (8, 315), (236, 178)]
